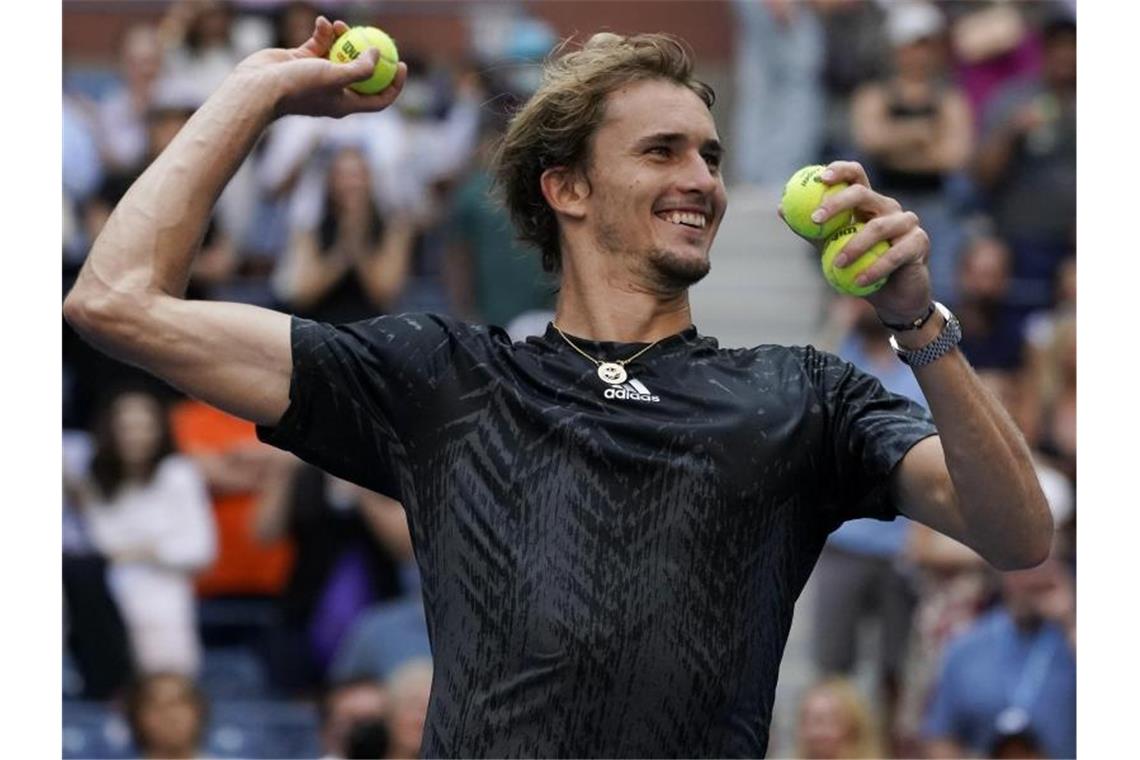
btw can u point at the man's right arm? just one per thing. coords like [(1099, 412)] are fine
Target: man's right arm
[(128, 300)]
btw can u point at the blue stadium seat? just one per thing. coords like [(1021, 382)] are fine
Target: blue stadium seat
[(233, 673), (94, 730), (263, 729)]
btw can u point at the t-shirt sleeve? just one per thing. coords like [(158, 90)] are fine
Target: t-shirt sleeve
[(357, 390), (868, 431)]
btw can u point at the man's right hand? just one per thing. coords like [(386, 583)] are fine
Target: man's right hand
[(304, 81)]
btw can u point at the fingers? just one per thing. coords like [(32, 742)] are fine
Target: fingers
[(352, 102), (851, 172), (344, 74), (911, 248), (856, 197), (320, 40), (890, 227)]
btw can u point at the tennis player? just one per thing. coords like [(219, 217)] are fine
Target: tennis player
[(612, 520)]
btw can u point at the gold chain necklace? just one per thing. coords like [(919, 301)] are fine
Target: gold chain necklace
[(610, 372)]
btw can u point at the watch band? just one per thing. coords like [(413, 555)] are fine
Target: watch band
[(915, 324), (949, 337)]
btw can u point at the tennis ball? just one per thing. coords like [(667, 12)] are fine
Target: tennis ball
[(843, 278), (802, 195), (355, 41)]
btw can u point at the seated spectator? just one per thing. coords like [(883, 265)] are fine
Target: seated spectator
[(123, 114), (835, 722), (992, 337), (993, 43), (409, 690), (914, 130), (353, 715), (167, 716), (384, 638), (1014, 672), (354, 264), (859, 576), (345, 561), (236, 467), (147, 512), (1027, 162), (1058, 379), (491, 276), (94, 632)]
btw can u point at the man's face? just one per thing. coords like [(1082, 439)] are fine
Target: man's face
[(656, 192)]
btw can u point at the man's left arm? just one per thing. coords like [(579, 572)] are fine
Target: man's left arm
[(975, 481)]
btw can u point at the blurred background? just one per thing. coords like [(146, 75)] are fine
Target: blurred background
[(221, 597)]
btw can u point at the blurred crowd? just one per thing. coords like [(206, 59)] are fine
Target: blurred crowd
[(224, 597)]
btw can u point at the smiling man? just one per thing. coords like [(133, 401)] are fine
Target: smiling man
[(612, 520)]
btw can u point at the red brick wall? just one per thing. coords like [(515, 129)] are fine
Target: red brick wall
[(91, 28)]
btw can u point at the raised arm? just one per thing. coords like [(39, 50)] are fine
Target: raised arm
[(128, 300), (975, 481)]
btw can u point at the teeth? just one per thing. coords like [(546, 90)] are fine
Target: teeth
[(688, 218)]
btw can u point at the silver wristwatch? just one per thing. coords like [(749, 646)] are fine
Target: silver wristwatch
[(947, 339)]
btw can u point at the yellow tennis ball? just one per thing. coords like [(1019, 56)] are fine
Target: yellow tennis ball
[(350, 45), (802, 195), (843, 278)]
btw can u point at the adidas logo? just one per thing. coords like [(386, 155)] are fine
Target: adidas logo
[(633, 390)]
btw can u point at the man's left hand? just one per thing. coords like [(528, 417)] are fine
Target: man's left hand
[(907, 293)]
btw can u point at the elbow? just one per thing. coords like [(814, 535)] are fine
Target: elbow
[(1031, 547), (103, 315)]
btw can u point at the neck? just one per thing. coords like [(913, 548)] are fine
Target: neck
[(615, 307)]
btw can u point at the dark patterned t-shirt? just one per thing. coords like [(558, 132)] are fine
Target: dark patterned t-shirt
[(607, 571)]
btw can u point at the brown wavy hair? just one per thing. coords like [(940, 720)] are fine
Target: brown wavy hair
[(555, 127)]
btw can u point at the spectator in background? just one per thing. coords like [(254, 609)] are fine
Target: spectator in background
[(1027, 162), (409, 689), (236, 467), (353, 715), (835, 722), (1058, 439), (94, 632), (1013, 673), (492, 277), (914, 129), (354, 264), (348, 542), (992, 337), (123, 115), (779, 117), (860, 575), (993, 43), (167, 716), (854, 42), (82, 174), (147, 512), (203, 42), (389, 634)]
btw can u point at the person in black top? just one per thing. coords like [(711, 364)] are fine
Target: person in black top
[(612, 520)]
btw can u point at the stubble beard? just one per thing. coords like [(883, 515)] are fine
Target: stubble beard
[(662, 270)]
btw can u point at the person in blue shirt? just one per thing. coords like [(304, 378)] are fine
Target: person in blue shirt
[(1013, 673), (858, 576)]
